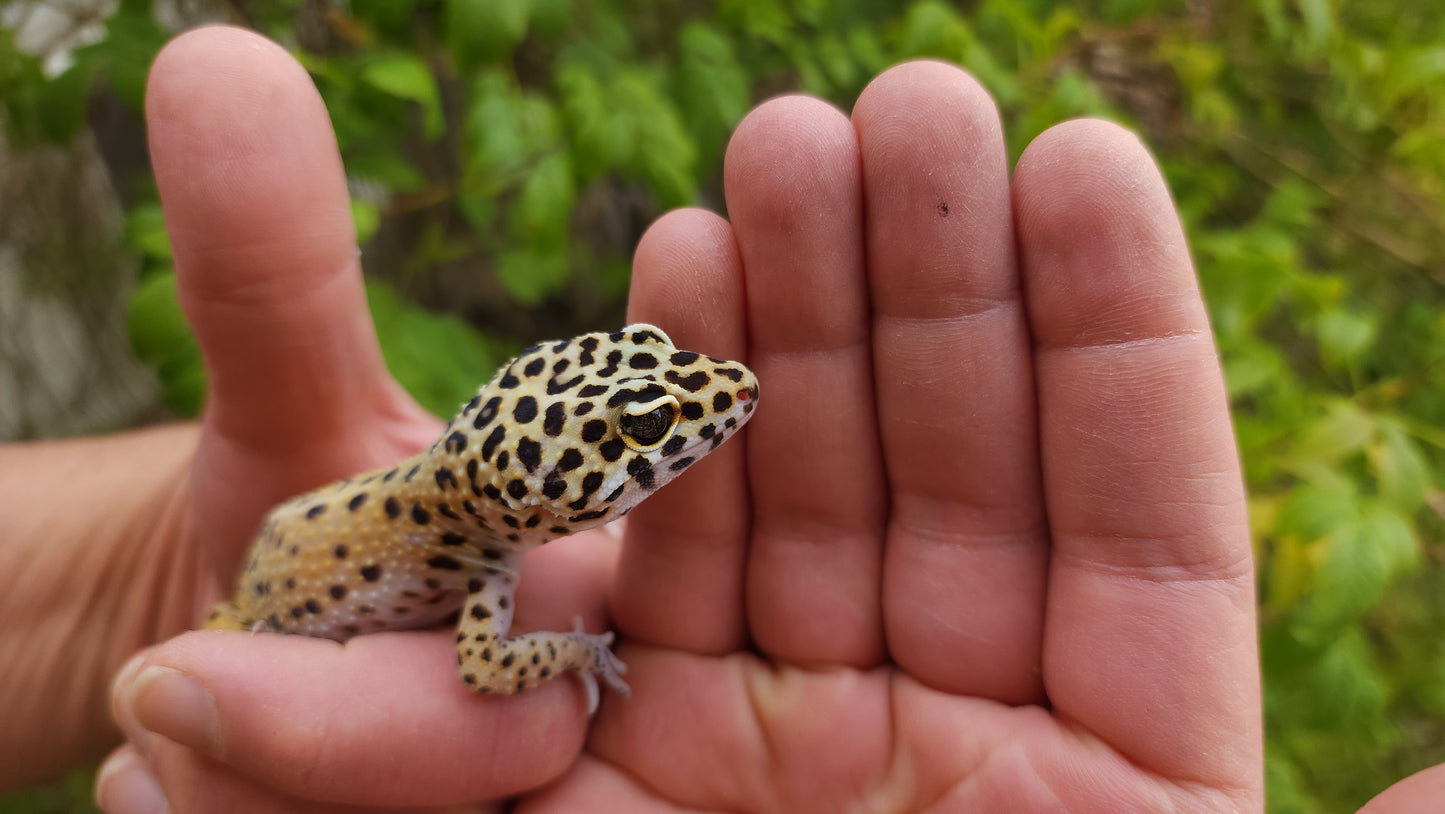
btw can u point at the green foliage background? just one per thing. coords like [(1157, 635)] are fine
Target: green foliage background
[(505, 156)]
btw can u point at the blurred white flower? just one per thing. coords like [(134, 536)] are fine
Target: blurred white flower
[(53, 29)]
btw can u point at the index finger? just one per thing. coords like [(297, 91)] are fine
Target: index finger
[(1149, 637)]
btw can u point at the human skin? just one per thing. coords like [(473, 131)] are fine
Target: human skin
[(983, 547)]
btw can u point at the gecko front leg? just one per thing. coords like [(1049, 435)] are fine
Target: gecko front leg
[(490, 662)]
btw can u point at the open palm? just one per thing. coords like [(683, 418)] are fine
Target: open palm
[(983, 547)]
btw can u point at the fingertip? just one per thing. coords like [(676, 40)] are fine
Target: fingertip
[(125, 784), (687, 275), (1103, 252), (1074, 177)]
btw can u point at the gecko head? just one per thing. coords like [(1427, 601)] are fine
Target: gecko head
[(589, 427)]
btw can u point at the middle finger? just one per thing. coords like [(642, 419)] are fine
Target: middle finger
[(794, 195)]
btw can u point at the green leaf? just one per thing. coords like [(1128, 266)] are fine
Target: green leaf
[(531, 274), (1345, 335), (1343, 429), (438, 358), (163, 340), (367, 219), (407, 77), (1400, 468), (485, 30), (542, 214), (145, 231)]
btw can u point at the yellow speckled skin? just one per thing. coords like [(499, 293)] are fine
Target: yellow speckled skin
[(568, 436)]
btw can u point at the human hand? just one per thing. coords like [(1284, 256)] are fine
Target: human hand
[(969, 555)]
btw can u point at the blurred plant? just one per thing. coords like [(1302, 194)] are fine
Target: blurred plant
[(505, 157)]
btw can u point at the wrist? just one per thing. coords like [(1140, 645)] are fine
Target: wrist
[(96, 561)]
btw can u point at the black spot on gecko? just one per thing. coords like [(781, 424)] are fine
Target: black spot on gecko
[(511, 521), (371, 573), (316, 511), (419, 515), (526, 409), (614, 358), (591, 483), (488, 413), (559, 530), (616, 493), (411, 473), (508, 381), (683, 358), (490, 445), (297, 611), (290, 583), (356, 502), (533, 521), (556, 419), (556, 387), (642, 361), (456, 443), (593, 430), (445, 479), (393, 508), (674, 444), (707, 431), (338, 591), (611, 449), (517, 489), (534, 367), (503, 458), (508, 659), (445, 510), (582, 409), (644, 393), (444, 562), (472, 404), (585, 516), (341, 551), (529, 452), (570, 460), (641, 470), (592, 391), (480, 612), (475, 585), (692, 382), (503, 602), (692, 410), (452, 538), (680, 464), (730, 372), (554, 486)]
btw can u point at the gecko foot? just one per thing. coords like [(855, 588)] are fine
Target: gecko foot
[(609, 667)]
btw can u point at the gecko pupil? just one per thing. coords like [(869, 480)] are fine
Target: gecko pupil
[(649, 428)]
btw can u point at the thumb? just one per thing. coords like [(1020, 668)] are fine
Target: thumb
[(268, 272)]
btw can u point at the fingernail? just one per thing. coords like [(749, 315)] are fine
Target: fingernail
[(125, 785), (171, 703)]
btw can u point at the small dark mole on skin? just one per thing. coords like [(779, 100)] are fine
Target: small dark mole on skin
[(943, 209)]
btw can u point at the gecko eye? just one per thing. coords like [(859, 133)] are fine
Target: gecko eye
[(644, 425)]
